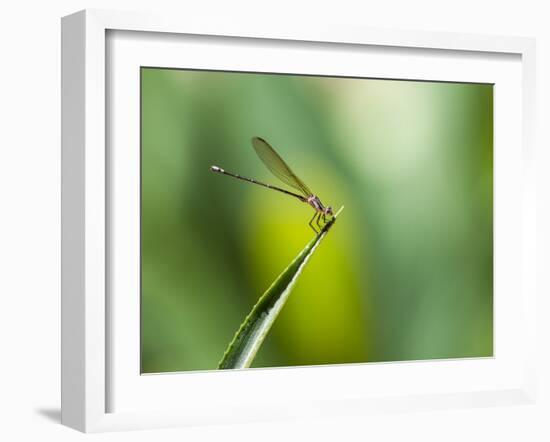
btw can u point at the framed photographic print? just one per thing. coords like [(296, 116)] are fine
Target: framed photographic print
[(267, 223)]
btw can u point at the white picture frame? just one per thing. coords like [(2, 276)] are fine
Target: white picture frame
[(90, 360)]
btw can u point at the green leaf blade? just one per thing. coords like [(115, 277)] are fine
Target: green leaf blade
[(249, 337)]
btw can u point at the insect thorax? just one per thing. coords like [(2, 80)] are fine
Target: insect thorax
[(316, 203)]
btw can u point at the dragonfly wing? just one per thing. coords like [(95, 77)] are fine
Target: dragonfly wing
[(277, 165)]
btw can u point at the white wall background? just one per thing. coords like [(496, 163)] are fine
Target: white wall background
[(30, 219)]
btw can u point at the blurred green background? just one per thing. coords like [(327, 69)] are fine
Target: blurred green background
[(405, 274)]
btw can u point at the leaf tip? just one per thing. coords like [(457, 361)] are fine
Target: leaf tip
[(339, 211)]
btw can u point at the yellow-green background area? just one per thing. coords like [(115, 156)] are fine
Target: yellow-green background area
[(406, 272)]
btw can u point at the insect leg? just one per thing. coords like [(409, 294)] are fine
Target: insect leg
[(318, 222), (311, 222)]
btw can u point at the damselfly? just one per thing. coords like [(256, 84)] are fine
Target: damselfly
[(281, 170)]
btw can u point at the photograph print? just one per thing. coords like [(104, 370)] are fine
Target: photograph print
[(301, 220)]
